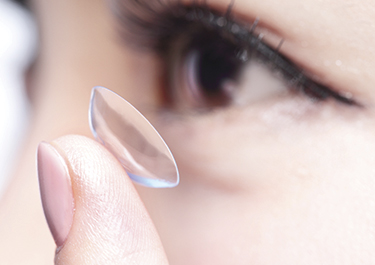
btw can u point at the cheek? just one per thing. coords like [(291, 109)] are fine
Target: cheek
[(279, 141), (277, 186)]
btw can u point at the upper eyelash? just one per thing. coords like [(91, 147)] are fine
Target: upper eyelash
[(152, 27)]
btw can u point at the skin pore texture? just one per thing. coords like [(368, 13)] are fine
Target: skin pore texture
[(285, 180)]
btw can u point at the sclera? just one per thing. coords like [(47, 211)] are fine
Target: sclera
[(124, 131)]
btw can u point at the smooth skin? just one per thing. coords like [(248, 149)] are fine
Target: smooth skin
[(283, 181)]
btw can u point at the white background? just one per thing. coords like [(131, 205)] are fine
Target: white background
[(17, 46)]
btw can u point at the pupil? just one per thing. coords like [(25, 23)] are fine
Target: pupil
[(218, 62)]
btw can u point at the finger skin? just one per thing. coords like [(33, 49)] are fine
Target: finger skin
[(110, 223)]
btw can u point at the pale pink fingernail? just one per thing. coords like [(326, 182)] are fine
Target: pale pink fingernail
[(56, 191)]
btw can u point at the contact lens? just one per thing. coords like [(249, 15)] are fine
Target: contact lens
[(124, 131)]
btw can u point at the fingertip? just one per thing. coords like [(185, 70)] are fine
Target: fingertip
[(110, 221)]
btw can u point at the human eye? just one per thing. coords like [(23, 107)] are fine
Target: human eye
[(212, 59), (228, 99)]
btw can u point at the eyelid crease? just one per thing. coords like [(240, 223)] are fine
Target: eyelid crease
[(153, 27)]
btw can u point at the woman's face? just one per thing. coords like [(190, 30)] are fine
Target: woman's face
[(273, 130)]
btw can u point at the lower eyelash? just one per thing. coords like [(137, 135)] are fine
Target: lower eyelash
[(155, 27)]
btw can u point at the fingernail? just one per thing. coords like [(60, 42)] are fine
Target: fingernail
[(56, 191)]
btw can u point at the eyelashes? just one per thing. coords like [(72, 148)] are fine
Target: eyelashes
[(209, 49)]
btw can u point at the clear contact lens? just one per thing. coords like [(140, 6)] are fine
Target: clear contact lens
[(124, 131)]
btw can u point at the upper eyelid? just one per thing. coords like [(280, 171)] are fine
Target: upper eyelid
[(147, 15), (291, 68)]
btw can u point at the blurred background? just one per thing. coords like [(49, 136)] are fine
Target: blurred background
[(18, 42)]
